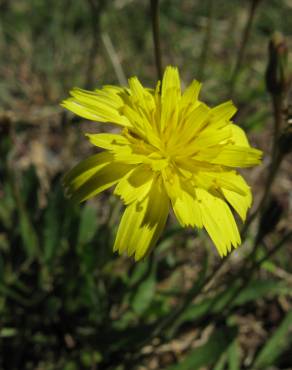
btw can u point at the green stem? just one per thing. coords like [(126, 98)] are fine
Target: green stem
[(156, 36), (277, 106), (207, 39), (243, 44), (276, 161), (96, 8)]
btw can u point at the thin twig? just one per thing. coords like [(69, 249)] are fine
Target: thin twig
[(156, 36)]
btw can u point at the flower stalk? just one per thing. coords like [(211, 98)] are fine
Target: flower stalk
[(277, 80), (156, 37), (244, 41)]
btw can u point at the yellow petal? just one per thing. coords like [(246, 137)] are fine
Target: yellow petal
[(127, 156), (231, 180), (240, 201), (78, 175), (120, 146), (135, 185), (231, 185), (223, 111), (94, 175), (108, 141), (190, 95), (97, 97), (141, 125), (238, 136), (187, 209), (187, 130), (171, 183), (140, 95), (141, 108), (170, 96), (97, 106), (210, 137), (208, 154), (238, 156), (196, 120), (183, 199), (170, 81), (112, 89), (221, 179), (218, 221), (143, 222)]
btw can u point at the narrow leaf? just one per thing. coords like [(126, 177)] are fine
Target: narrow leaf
[(210, 352), (276, 344)]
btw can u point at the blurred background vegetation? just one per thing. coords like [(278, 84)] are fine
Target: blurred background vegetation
[(66, 301)]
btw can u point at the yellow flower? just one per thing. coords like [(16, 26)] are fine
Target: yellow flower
[(172, 150)]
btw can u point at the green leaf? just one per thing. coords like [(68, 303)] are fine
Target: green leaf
[(29, 184), (159, 308), (28, 234), (210, 352), (144, 293), (269, 266), (139, 271), (7, 206), (8, 332), (124, 321), (7, 291), (233, 356), (221, 362), (2, 271), (71, 366), (179, 316), (88, 225), (255, 290), (131, 338), (53, 224), (276, 344)]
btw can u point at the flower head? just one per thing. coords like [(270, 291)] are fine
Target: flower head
[(172, 151)]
